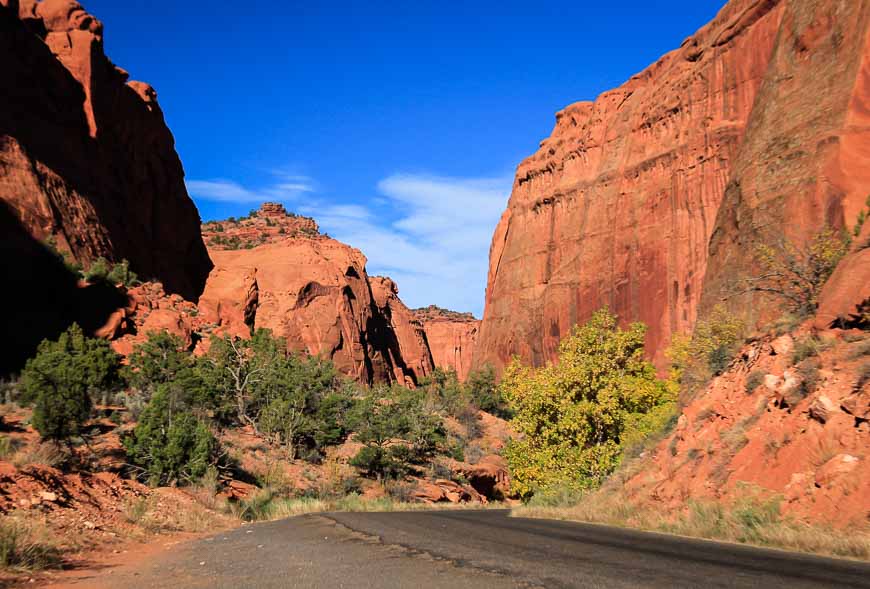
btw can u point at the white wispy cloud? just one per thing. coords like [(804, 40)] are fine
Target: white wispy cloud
[(283, 187), (429, 233), (437, 246)]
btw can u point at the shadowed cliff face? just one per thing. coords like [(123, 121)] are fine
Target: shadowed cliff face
[(85, 155), (619, 204), (40, 297)]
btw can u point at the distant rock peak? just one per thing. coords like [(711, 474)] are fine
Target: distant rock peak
[(436, 313), (268, 224)]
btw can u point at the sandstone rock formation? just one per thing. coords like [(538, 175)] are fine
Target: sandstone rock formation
[(87, 157), (87, 160), (765, 107), (275, 270), (402, 336), (451, 336)]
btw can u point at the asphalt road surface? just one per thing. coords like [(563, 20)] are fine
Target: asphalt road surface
[(459, 549)]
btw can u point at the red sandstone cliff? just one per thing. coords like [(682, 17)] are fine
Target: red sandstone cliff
[(618, 205), (451, 336), (85, 159), (804, 162)]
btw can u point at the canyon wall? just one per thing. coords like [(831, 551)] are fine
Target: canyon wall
[(451, 337), (804, 163), (652, 194), (87, 162)]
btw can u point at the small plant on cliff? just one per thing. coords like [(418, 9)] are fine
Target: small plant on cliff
[(61, 379), (862, 218), (707, 353), (754, 380), (575, 417), (101, 270), (796, 273), (121, 274)]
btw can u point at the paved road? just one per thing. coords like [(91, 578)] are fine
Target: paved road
[(460, 549)]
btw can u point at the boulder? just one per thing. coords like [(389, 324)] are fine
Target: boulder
[(822, 408), (835, 468)]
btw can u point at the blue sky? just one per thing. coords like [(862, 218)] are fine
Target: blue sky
[(397, 125)]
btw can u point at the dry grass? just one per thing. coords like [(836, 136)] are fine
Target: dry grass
[(44, 453), (27, 544), (754, 519)]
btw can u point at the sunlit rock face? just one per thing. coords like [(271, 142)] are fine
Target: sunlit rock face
[(275, 270), (451, 337), (653, 194)]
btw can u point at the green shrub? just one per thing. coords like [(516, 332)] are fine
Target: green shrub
[(98, 271), (719, 358), (382, 463), (707, 353), (101, 270), (121, 274), (385, 415), (161, 359), (170, 444), (485, 394), (300, 403), (61, 379)]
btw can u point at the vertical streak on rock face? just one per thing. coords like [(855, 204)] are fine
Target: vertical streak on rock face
[(85, 157), (617, 206)]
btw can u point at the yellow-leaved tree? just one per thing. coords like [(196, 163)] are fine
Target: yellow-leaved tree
[(575, 417)]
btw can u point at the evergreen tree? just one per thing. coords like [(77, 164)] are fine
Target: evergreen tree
[(61, 379)]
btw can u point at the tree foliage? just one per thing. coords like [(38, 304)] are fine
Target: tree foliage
[(575, 417), (101, 270), (161, 359), (296, 401), (396, 428), (170, 443), (796, 273), (62, 377)]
